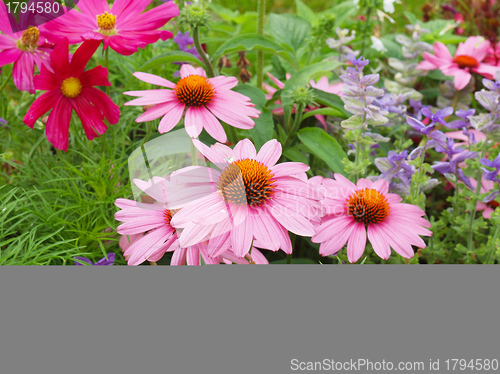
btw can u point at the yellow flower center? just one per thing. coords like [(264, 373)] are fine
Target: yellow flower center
[(106, 23), (464, 61), (368, 206), (246, 181), (194, 90), (29, 40), (71, 87)]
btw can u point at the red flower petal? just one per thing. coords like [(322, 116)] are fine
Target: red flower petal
[(41, 106), (60, 59), (57, 129), (97, 76), (82, 56), (102, 101)]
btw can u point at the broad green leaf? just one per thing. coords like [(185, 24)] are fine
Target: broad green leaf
[(264, 125), (168, 57), (333, 112), (323, 146), (411, 17), (294, 154), (305, 12), (252, 41), (330, 100), (288, 29)]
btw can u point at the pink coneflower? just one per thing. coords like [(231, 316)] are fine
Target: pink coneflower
[(251, 199), (352, 210), (68, 88), (123, 27), (150, 231), (24, 48), (468, 58), (323, 84), (204, 100)]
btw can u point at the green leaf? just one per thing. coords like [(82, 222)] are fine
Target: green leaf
[(168, 57), (333, 112), (411, 17), (264, 125), (330, 100), (323, 146), (294, 154), (252, 41), (288, 29), (305, 12)]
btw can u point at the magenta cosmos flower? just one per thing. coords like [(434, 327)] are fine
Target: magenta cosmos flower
[(68, 88), (24, 48), (352, 210), (123, 26), (468, 58), (250, 199), (200, 98)]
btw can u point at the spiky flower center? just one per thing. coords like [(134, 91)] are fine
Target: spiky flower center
[(368, 206), (106, 23), (168, 214), (247, 181), (71, 87), (465, 61), (194, 90), (29, 39)]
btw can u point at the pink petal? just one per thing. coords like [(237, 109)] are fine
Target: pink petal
[(442, 52), (154, 79), (357, 242), (244, 149), (241, 238), (171, 118), (193, 121), (9, 56), (462, 79), (379, 243), (288, 168), (23, 71), (269, 153)]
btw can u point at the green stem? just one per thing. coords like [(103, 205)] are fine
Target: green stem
[(107, 65), (296, 124), (201, 52), (420, 170), (261, 11), (6, 81), (456, 96), (365, 31), (495, 236), (470, 236)]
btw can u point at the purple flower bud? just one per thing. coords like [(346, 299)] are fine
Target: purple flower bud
[(102, 262), (491, 196)]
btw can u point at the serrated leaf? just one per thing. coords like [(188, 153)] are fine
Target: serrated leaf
[(288, 29), (323, 146)]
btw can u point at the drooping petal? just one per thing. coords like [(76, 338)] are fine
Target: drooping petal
[(57, 128), (41, 106)]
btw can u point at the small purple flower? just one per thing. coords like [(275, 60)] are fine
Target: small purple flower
[(183, 41), (102, 262), (491, 85), (491, 175), (358, 63), (419, 126), (2, 122), (439, 116), (464, 122)]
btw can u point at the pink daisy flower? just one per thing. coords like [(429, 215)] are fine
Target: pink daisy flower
[(71, 88), (150, 231), (352, 210), (123, 26), (468, 59), (249, 200), (323, 84), (203, 101), (23, 48), (147, 233)]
